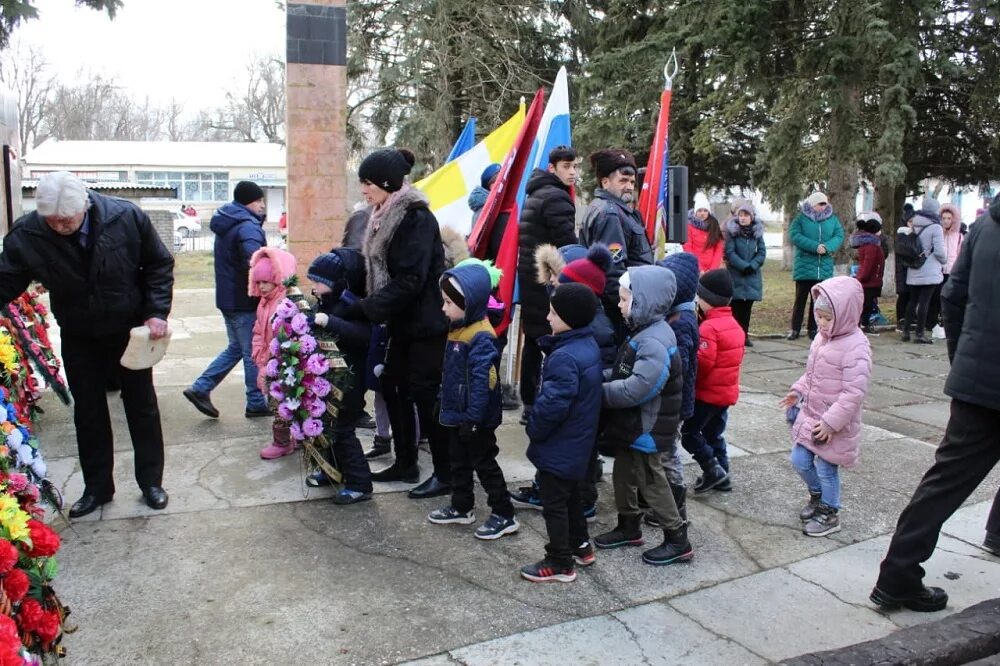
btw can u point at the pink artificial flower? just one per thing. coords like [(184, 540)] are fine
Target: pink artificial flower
[(284, 413), (296, 431), (275, 391), (312, 427), (17, 482), (274, 346), (321, 387), (300, 325), (317, 365), (271, 368), (307, 344), (286, 309), (315, 408)]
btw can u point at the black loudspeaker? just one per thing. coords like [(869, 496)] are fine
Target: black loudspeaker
[(677, 223)]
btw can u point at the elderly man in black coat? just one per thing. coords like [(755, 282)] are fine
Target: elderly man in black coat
[(970, 303), (107, 271)]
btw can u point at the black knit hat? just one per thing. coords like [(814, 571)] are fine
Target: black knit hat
[(246, 192), (326, 269), (387, 168), (575, 304), (606, 162), (716, 287)]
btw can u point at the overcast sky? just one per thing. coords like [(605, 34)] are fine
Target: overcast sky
[(190, 49)]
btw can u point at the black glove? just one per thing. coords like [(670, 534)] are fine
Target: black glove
[(353, 312), (467, 430), (749, 270)]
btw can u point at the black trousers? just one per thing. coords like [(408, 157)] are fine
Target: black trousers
[(90, 365), (803, 291), (916, 310), (531, 370), (413, 377), (993, 521), (741, 313), (348, 456), (902, 303), (934, 310), (562, 511), (871, 294), (477, 452), (588, 487), (969, 451)]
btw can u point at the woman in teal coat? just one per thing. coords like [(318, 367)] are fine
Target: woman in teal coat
[(816, 234), (745, 254)]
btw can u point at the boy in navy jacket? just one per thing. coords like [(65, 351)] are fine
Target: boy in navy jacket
[(470, 402), (562, 431)]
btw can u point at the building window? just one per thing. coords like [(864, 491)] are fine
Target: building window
[(190, 185)]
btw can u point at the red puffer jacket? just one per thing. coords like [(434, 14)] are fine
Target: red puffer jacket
[(720, 354)]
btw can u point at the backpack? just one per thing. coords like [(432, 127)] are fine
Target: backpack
[(909, 250)]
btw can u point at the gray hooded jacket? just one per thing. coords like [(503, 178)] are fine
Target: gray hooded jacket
[(648, 351), (932, 240)]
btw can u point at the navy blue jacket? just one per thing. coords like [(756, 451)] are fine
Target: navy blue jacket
[(238, 234), (562, 429), (470, 375), (352, 336), (684, 321)]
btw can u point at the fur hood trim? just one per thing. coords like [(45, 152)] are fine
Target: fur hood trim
[(549, 263), (456, 248)]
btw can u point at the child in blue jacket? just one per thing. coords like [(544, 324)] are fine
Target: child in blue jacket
[(562, 431), (470, 402)]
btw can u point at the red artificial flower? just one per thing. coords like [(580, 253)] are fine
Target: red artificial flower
[(30, 614), (15, 584), (44, 541), (48, 626), (10, 643), (8, 556)]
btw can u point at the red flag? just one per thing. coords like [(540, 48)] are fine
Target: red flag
[(651, 197), (501, 209)]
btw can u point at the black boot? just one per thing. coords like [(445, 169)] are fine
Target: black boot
[(712, 476), (626, 533), (680, 499), (381, 446), (675, 548), (397, 472)]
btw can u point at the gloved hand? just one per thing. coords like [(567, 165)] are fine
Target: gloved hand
[(468, 430), (644, 444), (749, 270), (354, 312), (320, 319)]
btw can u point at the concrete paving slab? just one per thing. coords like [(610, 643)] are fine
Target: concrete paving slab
[(932, 366), (968, 524), (754, 362), (927, 434), (793, 616), (774, 345), (932, 413)]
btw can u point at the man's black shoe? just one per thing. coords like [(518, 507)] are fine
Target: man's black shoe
[(432, 487), (365, 421), (927, 600), (395, 472), (87, 504), (256, 412), (381, 446), (792, 335), (156, 497), (991, 544), (201, 403)]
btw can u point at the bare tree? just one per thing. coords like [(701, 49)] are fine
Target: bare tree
[(256, 111), (24, 70), (173, 121)]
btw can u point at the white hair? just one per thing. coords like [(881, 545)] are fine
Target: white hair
[(60, 194)]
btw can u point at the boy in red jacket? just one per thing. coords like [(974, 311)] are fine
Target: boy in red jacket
[(720, 354), (871, 263)]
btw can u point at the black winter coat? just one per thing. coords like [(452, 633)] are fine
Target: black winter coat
[(124, 278), (970, 304), (549, 216), (405, 259)]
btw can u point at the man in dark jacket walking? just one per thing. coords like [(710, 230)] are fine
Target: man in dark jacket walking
[(239, 232), (107, 271), (549, 217), (611, 220), (970, 303)]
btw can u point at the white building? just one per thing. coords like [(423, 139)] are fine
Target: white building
[(202, 172)]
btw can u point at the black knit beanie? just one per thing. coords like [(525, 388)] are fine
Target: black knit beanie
[(387, 168), (716, 287), (575, 303), (326, 269), (246, 192)]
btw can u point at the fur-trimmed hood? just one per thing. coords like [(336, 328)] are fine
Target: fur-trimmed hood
[(733, 227), (282, 267), (456, 248), (380, 233), (549, 263)]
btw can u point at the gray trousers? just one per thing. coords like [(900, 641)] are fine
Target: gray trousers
[(642, 472)]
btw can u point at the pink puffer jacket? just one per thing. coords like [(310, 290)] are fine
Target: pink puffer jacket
[(835, 382)]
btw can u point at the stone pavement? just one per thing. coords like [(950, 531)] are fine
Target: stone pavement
[(246, 567)]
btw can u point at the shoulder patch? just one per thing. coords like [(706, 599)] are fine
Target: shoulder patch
[(617, 252), (703, 344)]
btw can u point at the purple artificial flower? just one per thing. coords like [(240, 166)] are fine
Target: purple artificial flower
[(284, 413), (315, 408), (317, 365), (271, 368), (296, 431), (300, 325), (286, 309), (312, 427), (321, 387), (307, 344), (275, 391), (274, 346)]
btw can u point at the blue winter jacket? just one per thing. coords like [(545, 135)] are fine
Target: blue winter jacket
[(238, 234), (562, 429), (684, 321), (470, 384)]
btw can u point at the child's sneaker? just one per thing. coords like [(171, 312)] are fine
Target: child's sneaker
[(497, 526), (824, 522), (584, 554), (346, 496), (318, 479), (590, 513), (526, 497), (273, 451), (547, 571), (449, 515)]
